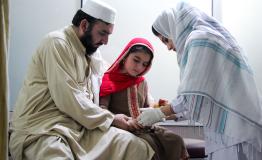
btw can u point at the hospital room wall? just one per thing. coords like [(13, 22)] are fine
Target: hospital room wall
[(243, 20)]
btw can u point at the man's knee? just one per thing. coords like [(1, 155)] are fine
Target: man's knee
[(48, 147)]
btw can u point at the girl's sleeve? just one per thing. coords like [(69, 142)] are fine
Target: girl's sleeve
[(104, 101)]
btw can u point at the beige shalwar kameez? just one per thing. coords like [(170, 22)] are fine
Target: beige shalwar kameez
[(55, 116)]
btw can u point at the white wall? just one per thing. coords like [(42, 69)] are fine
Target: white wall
[(135, 18), (243, 20), (30, 21)]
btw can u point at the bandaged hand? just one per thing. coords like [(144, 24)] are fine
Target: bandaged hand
[(150, 116)]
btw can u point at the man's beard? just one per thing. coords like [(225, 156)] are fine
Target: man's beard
[(87, 41)]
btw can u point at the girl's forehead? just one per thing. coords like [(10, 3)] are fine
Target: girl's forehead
[(141, 55)]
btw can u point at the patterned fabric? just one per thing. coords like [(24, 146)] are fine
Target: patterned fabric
[(217, 120), (215, 70), (132, 102)]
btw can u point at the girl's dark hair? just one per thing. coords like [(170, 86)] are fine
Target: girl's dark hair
[(80, 15), (139, 48), (155, 32)]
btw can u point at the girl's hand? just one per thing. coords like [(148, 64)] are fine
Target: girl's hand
[(150, 116)]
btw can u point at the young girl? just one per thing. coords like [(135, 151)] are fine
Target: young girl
[(124, 91)]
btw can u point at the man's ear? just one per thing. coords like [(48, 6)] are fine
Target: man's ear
[(84, 24)]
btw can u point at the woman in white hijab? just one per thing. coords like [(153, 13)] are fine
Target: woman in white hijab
[(217, 85)]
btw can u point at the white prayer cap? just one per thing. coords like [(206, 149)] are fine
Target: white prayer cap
[(100, 10)]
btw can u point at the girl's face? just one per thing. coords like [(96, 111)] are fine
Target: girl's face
[(136, 63), (168, 42)]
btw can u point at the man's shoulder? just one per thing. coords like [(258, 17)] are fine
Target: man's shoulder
[(60, 34)]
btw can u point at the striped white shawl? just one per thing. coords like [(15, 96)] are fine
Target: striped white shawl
[(212, 65)]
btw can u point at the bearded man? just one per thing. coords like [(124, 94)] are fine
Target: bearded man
[(57, 115)]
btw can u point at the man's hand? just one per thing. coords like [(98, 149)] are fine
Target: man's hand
[(150, 116), (121, 121), (134, 125)]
